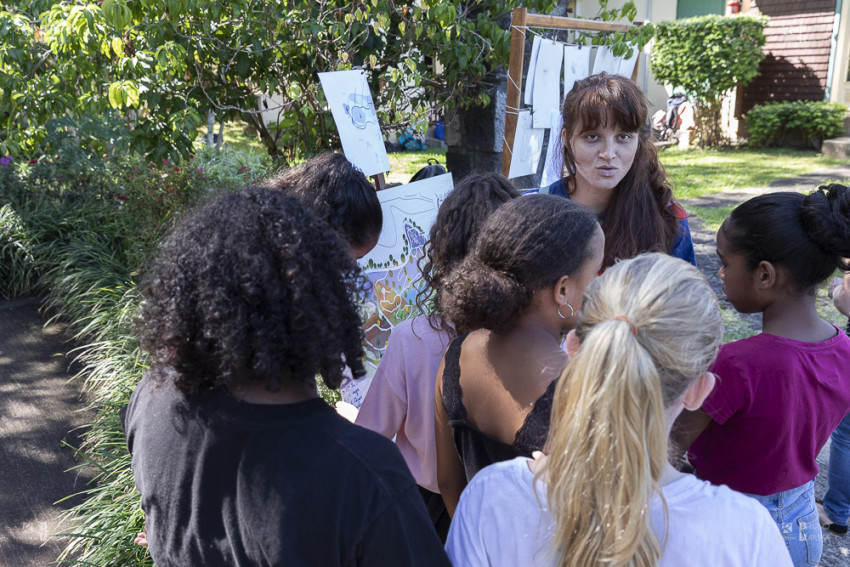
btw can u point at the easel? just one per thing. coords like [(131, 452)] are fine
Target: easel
[(380, 181), (520, 21)]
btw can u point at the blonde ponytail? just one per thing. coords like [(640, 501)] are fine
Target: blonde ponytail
[(648, 327)]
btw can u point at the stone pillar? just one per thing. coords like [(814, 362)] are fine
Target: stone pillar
[(475, 135)]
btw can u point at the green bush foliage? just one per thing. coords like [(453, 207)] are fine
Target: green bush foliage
[(708, 56), (144, 76), (788, 122), (79, 230), (153, 72)]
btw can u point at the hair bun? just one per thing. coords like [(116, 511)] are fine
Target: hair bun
[(826, 218), (475, 296)]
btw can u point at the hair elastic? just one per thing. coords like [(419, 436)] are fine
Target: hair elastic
[(629, 321)]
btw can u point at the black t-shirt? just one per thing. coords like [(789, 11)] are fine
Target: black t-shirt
[(229, 483)]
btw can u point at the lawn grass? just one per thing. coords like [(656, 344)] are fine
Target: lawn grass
[(402, 164), (696, 173)]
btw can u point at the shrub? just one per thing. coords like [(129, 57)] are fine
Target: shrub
[(80, 230), (707, 56), (782, 123)]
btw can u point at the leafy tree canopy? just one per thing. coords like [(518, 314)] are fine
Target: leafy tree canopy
[(145, 75)]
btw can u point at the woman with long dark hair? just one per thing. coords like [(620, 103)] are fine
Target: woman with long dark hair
[(612, 168)]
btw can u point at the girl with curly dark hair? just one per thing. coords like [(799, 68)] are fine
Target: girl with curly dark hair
[(237, 458), (612, 168), (338, 193), (400, 400), (520, 287)]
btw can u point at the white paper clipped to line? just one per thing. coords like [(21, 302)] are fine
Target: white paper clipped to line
[(576, 65), (532, 64), (627, 63), (606, 61), (546, 97), (528, 144), (554, 151), (350, 101)]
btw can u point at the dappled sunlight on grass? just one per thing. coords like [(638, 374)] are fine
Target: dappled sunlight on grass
[(404, 164)]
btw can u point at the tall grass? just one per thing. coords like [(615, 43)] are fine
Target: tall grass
[(80, 235)]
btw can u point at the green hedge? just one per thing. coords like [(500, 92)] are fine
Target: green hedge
[(792, 122), (708, 56)]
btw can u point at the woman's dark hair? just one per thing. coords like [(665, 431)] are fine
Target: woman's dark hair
[(637, 218), (808, 235), (458, 222), (525, 245), (251, 287), (336, 192)]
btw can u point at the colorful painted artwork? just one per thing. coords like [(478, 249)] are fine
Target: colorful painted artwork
[(392, 268)]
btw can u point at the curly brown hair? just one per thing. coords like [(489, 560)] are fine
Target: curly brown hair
[(336, 192), (453, 233), (251, 287), (637, 218), (525, 245)]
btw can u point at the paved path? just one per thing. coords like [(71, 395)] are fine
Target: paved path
[(39, 408)]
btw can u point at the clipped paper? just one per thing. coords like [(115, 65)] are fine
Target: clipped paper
[(546, 97), (528, 144), (348, 96), (576, 65), (532, 64)]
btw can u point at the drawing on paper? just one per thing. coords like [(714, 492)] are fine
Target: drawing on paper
[(576, 65), (361, 110), (350, 101), (528, 144), (547, 83), (392, 268)]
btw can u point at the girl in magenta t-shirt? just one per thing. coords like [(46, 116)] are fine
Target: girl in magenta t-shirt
[(780, 394)]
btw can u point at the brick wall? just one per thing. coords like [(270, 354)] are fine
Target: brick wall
[(798, 39)]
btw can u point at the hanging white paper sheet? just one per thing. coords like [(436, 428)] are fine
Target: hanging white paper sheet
[(392, 269), (532, 65), (348, 96), (528, 144), (554, 151), (606, 61), (627, 66), (576, 65), (547, 83)]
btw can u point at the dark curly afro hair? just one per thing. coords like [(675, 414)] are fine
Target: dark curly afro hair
[(336, 192), (251, 286), (453, 233)]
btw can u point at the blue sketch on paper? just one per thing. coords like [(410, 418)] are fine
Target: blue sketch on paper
[(360, 109)]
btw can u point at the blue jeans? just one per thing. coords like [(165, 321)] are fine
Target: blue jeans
[(795, 513), (836, 502)]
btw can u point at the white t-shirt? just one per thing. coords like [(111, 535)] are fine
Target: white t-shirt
[(500, 521)]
